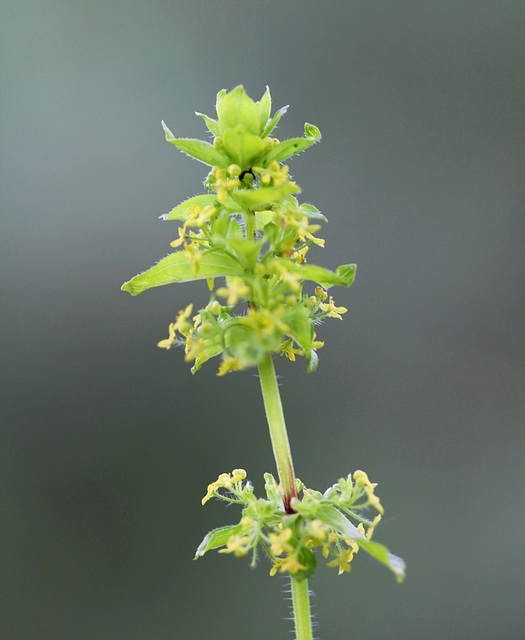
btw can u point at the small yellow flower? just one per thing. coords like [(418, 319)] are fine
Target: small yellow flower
[(193, 256), (362, 480), (229, 364), (238, 545), (331, 310), (181, 325), (290, 564), (182, 236), (225, 480), (279, 542), (238, 475), (318, 241), (373, 525), (236, 289), (343, 560), (287, 349)]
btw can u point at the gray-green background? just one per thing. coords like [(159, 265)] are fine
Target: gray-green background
[(108, 443)]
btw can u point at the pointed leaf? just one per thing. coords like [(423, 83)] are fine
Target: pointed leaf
[(264, 107), (312, 360), (202, 151), (212, 124), (312, 212), (237, 108), (175, 268), (217, 538), (300, 325), (241, 146), (274, 121), (312, 132), (180, 212), (261, 198), (378, 551), (198, 149), (246, 250), (219, 99), (343, 275), (288, 148), (340, 523)]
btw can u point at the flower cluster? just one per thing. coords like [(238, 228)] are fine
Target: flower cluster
[(323, 521), (251, 232)]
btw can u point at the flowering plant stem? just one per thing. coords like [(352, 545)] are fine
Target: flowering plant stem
[(301, 609), (278, 433), (283, 460), (248, 236)]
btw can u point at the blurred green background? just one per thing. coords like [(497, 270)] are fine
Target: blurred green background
[(108, 443)]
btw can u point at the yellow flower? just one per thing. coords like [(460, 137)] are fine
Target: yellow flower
[(343, 560), (236, 289), (362, 480), (373, 525), (225, 480), (331, 310), (182, 236), (287, 349), (181, 325), (238, 545), (193, 255), (279, 542), (290, 564), (229, 364)]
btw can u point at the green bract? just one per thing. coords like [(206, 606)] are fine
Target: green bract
[(250, 230)]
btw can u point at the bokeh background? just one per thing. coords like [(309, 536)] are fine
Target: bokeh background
[(108, 443)]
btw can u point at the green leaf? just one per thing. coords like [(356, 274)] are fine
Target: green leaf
[(261, 198), (340, 523), (312, 360), (198, 149), (217, 538), (274, 121), (219, 99), (237, 108), (300, 326), (312, 212), (175, 268), (343, 275), (264, 107), (378, 551), (212, 124), (246, 250), (241, 147), (180, 212), (288, 148), (309, 560), (311, 132)]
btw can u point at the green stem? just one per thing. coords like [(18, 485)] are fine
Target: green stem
[(249, 221), (278, 434), (283, 459), (301, 609)]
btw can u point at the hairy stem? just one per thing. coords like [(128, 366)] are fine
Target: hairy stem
[(283, 459), (278, 434), (301, 610)]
